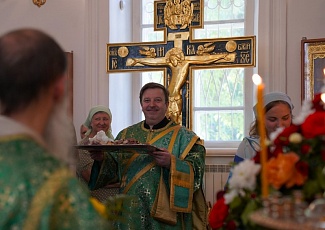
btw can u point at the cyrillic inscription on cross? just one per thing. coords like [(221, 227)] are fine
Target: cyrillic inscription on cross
[(179, 53)]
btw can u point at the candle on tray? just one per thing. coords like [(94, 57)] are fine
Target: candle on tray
[(262, 133)]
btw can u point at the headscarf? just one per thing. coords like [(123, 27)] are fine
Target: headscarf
[(92, 112), (275, 96)]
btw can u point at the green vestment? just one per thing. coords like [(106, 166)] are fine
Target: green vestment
[(165, 198), (37, 191)]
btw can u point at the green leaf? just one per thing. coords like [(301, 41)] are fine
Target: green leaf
[(116, 205), (251, 206), (236, 202), (311, 188), (321, 178)]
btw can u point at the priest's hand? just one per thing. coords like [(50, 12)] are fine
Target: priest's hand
[(161, 157)]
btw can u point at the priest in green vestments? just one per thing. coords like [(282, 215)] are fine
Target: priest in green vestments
[(167, 182), (37, 188)]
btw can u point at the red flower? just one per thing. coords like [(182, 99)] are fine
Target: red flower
[(218, 214), (303, 168), (231, 225), (220, 194), (305, 149), (283, 138), (278, 150), (318, 103), (314, 125), (253, 195), (257, 157)]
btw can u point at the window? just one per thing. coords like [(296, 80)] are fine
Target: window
[(219, 95), (149, 35)]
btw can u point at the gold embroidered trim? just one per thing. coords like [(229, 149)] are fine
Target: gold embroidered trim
[(188, 148), (183, 180), (137, 176), (129, 163), (123, 134), (173, 139), (156, 130), (15, 137), (160, 135), (42, 197), (160, 209), (149, 166)]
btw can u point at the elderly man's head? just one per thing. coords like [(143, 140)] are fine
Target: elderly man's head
[(32, 79), (30, 62)]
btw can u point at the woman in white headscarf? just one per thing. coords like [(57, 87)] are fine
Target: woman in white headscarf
[(278, 113), (99, 119)]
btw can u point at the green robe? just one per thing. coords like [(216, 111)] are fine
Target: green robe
[(180, 192), (37, 191)]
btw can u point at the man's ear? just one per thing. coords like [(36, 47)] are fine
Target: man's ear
[(59, 88)]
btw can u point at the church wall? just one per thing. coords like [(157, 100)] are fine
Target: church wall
[(122, 32), (65, 21), (304, 19)]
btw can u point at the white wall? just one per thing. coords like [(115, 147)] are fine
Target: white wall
[(304, 19), (120, 84), (65, 21)]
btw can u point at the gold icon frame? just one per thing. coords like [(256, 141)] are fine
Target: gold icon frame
[(312, 67)]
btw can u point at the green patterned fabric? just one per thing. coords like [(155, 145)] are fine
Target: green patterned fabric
[(140, 177), (38, 192)]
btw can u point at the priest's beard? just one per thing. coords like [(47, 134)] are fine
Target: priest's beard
[(60, 135)]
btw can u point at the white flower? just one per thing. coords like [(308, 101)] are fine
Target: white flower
[(295, 138), (275, 134), (244, 175), (323, 87), (306, 110), (229, 196)]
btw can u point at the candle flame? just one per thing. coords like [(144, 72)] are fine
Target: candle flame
[(256, 79), (322, 96), (324, 71)]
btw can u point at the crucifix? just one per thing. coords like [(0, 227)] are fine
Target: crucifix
[(179, 53)]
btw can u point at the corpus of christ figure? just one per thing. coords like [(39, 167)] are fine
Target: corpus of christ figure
[(179, 65)]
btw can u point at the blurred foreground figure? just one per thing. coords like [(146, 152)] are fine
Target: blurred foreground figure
[(37, 190)]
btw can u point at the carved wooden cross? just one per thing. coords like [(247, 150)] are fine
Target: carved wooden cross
[(178, 54)]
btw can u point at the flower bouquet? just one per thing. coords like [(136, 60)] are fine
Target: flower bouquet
[(296, 162), (113, 209)]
